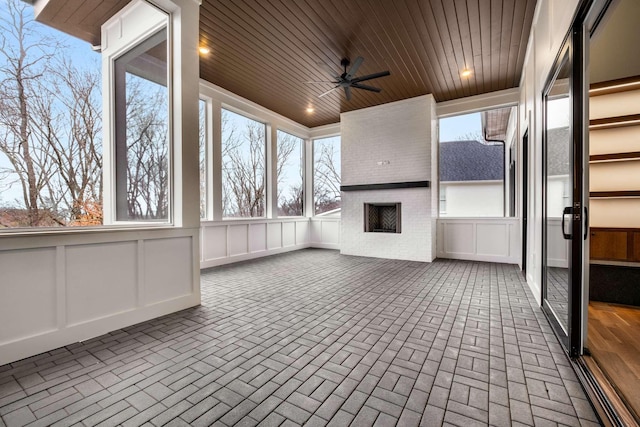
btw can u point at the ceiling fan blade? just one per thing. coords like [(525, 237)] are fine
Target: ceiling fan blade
[(328, 92), (354, 68), (347, 91), (371, 76), (365, 87)]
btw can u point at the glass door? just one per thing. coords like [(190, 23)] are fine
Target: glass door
[(562, 178)]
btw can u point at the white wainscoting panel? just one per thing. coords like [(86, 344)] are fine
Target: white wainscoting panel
[(480, 239), (251, 238), (288, 234), (216, 238), (167, 262), (257, 233), (101, 280), (27, 283), (325, 233), (238, 239), (302, 232), (459, 238), (274, 235), (62, 287)]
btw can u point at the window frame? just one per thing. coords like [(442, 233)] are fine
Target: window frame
[(120, 72)]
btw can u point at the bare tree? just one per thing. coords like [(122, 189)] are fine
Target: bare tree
[(326, 176), (25, 57), (290, 199), (68, 122), (147, 150), (244, 170), (202, 153)]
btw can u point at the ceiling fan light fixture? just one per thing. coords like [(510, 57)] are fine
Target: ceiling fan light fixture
[(466, 73)]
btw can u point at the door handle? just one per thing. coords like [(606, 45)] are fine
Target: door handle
[(567, 211), (586, 222)]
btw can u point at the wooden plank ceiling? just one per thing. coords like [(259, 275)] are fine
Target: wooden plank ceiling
[(265, 50)]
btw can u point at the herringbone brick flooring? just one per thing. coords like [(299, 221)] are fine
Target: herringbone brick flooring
[(316, 338)]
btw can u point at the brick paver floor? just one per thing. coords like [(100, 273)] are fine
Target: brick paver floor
[(314, 337)]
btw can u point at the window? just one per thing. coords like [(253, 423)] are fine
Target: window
[(142, 131), (243, 166), (202, 160), (326, 175), (290, 175), (50, 156), (443, 200), (472, 167)]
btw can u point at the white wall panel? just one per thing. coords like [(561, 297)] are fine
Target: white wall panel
[(65, 287), (167, 262), (265, 237), (101, 280), (480, 239), (330, 232), (316, 230), (237, 239), (214, 242), (492, 239), (257, 237), (302, 232), (288, 234), (458, 238), (274, 235), (27, 284)]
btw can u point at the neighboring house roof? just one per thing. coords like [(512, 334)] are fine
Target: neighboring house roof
[(471, 161)]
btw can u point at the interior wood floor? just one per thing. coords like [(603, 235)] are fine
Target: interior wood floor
[(614, 342)]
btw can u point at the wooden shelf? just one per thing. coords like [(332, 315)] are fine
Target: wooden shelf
[(634, 155), (614, 122), (615, 86), (607, 194)]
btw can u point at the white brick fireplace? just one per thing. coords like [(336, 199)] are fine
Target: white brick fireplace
[(388, 158)]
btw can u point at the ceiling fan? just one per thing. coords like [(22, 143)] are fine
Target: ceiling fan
[(347, 79)]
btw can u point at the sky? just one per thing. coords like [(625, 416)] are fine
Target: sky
[(455, 128)]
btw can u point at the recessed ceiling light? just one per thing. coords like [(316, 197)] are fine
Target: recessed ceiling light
[(466, 73), (204, 50), (310, 110)]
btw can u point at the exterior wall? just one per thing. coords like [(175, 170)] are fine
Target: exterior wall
[(63, 286), (477, 199), (384, 144)]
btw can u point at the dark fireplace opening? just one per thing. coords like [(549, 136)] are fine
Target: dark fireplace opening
[(382, 217)]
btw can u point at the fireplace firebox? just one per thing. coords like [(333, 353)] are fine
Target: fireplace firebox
[(382, 217)]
